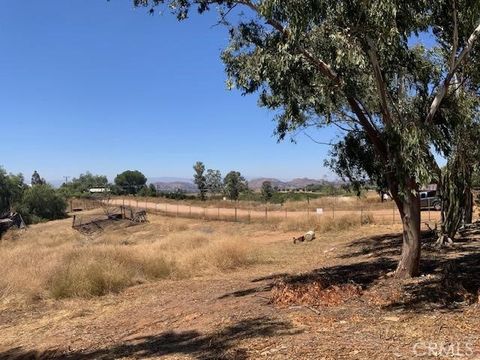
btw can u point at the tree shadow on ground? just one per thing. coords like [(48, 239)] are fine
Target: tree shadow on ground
[(381, 245), (253, 290), (363, 273), (218, 345), (450, 284), (449, 275)]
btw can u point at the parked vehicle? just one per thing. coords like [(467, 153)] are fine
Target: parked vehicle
[(430, 200)]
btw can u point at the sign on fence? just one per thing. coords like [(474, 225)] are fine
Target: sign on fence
[(319, 211)]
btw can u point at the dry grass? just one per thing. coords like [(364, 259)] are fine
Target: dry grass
[(52, 260), (368, 201), (321, 224)]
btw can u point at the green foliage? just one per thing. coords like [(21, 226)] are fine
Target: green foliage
[(41, 203), (130, 181), (80, 186), (354, 159), (353, 64), (200, 179), (267, 191), (233, 184), (178, 194), (11, 190), (37, 179), (214, 181), (458, 175), (148, 191)]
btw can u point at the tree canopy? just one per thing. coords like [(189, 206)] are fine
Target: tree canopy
[(214, 181), (359, 65), (130, 181), (267, 190), (37, 179), (234, 183), (200, 179), (84, 183)]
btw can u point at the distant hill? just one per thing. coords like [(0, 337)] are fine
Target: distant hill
[(172, 184), (298, 183), (256, 184), (176, 185), (302, 182)]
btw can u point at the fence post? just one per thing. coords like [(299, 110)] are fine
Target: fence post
[(361, 215), (204, 212), (266, 212), (177, 209), (235, 213), (218, 212), (190, 210), (249, 215)]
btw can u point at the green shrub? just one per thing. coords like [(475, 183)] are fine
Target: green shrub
[(40, 203)]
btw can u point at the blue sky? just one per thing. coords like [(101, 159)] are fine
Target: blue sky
[(100, 86)]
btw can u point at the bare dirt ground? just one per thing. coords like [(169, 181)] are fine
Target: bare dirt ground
[(257, 312)]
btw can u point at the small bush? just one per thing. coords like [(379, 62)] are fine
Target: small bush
[(40, 203), (96, 272), (89, 273)]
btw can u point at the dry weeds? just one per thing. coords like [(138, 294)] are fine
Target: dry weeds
[(53, 260), (317, 293)]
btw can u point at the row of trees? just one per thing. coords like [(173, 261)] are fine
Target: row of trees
[(35, 202), (131, 182), (210, 181)]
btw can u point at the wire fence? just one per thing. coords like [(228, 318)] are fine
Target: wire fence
[(364, 212)]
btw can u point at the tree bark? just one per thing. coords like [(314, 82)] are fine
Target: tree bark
[(468, 219), (409, 208)]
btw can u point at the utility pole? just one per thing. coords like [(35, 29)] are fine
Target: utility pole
[(66, 179)]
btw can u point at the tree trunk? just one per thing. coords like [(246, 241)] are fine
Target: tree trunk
[(468, 219), (409, 207)]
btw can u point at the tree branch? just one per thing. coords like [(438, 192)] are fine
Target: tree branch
[(456, 62), (327, 71), (377, 71)]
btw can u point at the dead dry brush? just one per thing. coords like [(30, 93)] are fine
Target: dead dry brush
[(53, 260)]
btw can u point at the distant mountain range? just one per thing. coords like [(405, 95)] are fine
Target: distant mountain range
[(188, 187), (298, 183), (172, 184)]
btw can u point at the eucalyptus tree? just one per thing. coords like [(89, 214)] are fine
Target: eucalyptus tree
[(234, 184), (458, 175), (214, 181), (355, 64), (200, 179), (267, 191)]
